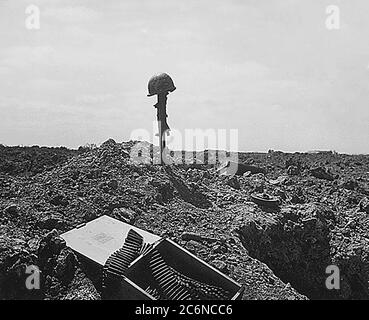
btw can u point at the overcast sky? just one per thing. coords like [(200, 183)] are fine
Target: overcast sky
[(270, 69)]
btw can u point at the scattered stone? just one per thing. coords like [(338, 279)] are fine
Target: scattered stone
[(108, 143), (233, 182), (11, 209), (194, 246), (321, 173), (293, 171), (13, 275), (350, 184), (33, 244), (94, 174), (164, 189), (113, 184), (231, 168), (54, 221), (220, 265), (279, 181), (296, 242), (74, 174), (66, 265), (50, 245), (220, 248), (124, 214), (82, 288), (247, 174), (364, 205), (59, 200), (67, 181), (293, 163)]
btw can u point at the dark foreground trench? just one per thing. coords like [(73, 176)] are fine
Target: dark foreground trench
[(297, 245)]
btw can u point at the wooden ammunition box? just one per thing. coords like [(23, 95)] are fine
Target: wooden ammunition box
[(98, 239)]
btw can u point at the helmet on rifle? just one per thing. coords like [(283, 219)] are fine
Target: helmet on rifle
[(160, 83)]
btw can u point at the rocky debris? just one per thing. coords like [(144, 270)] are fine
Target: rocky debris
[(94, 174), (364, 205), (350, 251), (279, 181), (220, 248), (11, 209), (239, 168), (59, 200), (63, 277), (164, 189), (81, 288), (74, 174), (16, 256), (294, 166), (321, 173), (195, 175), (124, 214), (301, 241), (52, 221), (19, 161), (66, 264), (297, 196), (233, 182), (49, 247), (113, 184), (293, 171), (110, 143), (294, 243), (220, 265), (255, 183), (319, 221), (189, 192), (350, 184)]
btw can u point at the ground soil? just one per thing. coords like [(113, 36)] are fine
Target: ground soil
[(276, 252)]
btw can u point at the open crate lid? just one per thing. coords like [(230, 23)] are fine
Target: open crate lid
[(99, 238)]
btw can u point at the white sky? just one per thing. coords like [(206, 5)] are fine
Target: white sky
[(270, 69)]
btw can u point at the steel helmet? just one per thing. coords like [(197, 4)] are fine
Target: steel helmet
[(160, 83)]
